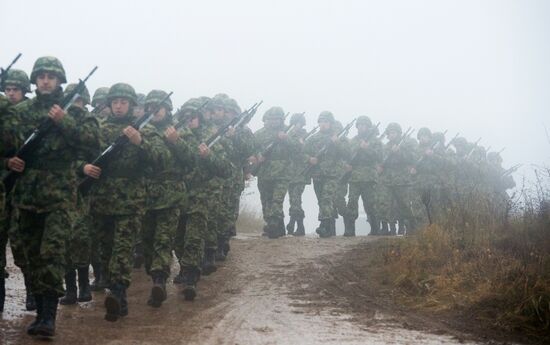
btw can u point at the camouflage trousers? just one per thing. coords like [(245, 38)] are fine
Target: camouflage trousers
[(295, 192), (117, 236), (9, 225), (226, 216), (190, 238), (396, 204), (325, 189), (339, 201), (79, 242), (367, 191), (214, 202), (272, 196), (44, 236), (158, 232)]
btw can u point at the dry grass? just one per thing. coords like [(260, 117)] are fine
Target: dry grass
[(496, 271)]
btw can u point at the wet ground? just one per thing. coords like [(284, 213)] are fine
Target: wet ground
[(267, 292)]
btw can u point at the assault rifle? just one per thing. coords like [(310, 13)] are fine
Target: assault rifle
[(432, 147), (451, 141), (177, 115), (344, 132), (346, 176), (310, 133), (112, 150), (4, 72), (511, 170), (32, 142), (234, 122), (473, 148), (406, 135)]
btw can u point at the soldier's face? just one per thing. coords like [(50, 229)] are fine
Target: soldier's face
[(14, 94), (324, 126), (193, 122), (424, 139), (79, 103), (47, 82), (219, 113), (393, 135), (362, 128), (139, 111), (159, 115), (120, 106)]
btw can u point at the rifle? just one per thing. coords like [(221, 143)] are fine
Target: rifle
[(4, 72), (325, 147), (234, 122), (499, 152), (181, 122), (310, 133), (432, 147), (248, 117), (112, 150), (407, 134), (346, 176), (451, 141), (473, 148), (31, 143), (511, 170)]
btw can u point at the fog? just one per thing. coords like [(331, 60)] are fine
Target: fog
[(475, 67)]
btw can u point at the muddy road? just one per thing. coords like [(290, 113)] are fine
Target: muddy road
[(267, 292)]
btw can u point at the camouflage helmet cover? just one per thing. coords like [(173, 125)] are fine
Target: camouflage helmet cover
[(395, 127), (122, 90), (274, 113), (460, 142), (100, 95), (363, 120), (48, 64), (17, 78), (231, 105), (189, 109), (297, 118), (85, 94), (424, 131), (326, 116), (156, 97)]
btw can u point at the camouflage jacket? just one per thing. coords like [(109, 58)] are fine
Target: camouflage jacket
[(121, 188), (164, 183), (429, 167), (243, 146), (397, 164), (330, 163), (365, 161), (278, 160), (49, 181), (298, 159)]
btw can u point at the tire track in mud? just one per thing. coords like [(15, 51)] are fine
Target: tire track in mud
[(265, 293)]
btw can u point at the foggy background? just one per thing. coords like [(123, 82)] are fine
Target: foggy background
[(480, 68)]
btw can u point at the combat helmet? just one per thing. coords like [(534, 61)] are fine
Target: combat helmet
[(18, 78), (297, 118), (85, 94), (100, 96), (274, 113), (363, 120), (155, 97), (48, 64), (326, 116), (122, 90)]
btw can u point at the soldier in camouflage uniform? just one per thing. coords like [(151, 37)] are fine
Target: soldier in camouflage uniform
[(273, 175), (99, 103), (325, 169), (339, 201), (298, 181), (118, 197), (45, 193), (78, 244), (395, 176), (4, 105), (15, 86), (193, 232), (165, 195), (366, 150)]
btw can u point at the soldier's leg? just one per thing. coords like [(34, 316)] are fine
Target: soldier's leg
[(279, 192), (148, 228), (369, 195), (352, 208), (191, 260), (325, 189)]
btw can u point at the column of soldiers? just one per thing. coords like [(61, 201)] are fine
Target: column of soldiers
[(163, 182), (165, 189)]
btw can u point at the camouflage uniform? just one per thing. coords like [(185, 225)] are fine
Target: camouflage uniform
[(363, 178), (339, 200), (396, 181), (273, 176), (326, 172)]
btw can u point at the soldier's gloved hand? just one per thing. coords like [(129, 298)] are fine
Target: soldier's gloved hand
[(16, 164), (252, 160), (282, 135), (364, 144), (133, 135), (56, 113), (171, 134), (261, 159), (313, 160), (92, 171), (204, 150), (230, 131), (348, 167)]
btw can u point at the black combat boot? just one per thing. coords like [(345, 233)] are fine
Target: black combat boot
[(30, 303), (220, 252), (332, 226), (31, 329), (273, 231), (70, 288), (349, 227), (324, 228), (2, 291), (300, 229), (46, 326), (84, 292), (191, 277), (158, 292), (113, 302), (209, 262), (290, 225)]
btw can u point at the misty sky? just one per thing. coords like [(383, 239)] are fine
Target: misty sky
[(478, 67)]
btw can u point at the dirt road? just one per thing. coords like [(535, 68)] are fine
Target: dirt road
[(267, 292)]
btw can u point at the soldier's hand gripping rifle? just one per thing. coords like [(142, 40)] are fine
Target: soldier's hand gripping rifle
[(234, 122), (346, 176), (344, 132), (4, 72), (112, 150), (32, 142), (405, 136)]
